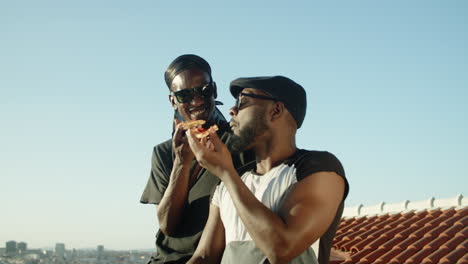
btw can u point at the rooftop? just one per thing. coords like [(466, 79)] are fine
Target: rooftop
[(422, 232)]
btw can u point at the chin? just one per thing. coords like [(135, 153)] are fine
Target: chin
[(189, 116), (205, 116), (198, 117)]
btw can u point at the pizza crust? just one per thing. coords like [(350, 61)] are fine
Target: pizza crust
[(205, 133), (192, 123), (195, 126)]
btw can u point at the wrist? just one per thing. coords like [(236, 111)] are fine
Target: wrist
[(182, 162), (181, 168), (226, 175)]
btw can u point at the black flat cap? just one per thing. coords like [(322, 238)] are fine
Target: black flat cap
[(282, 88)]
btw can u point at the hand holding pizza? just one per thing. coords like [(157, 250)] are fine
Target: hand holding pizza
[(212, 154), (179, 141), (180, 146), (197, 129)]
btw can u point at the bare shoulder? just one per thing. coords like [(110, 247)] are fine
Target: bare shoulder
[(318, 186)]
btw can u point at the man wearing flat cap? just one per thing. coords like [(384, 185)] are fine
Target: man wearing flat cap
[(287, 199)]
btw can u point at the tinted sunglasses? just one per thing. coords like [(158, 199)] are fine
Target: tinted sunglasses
[(187, 95), (238, 101)]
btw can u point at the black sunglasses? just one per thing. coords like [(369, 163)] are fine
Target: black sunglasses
[(238, 101), (186, 95)]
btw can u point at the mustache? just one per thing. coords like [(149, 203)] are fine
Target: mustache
[(203, 107), (233, 123)]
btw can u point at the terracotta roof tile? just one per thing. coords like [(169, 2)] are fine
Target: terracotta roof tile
[(464, 220), (411, 250), (444, 249), (453, 230), (434, 235), (371, 257), (426, 230), (460, 253), (347, 224), (360, 223), (402, 219), (408, 231), (427, 249), (357, 256), (390, 244)]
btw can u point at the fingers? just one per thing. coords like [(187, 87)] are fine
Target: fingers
[(194, 143), (176, 125), (215, 141), (204, 140), (178, 135), (200, 146), (210, 146), (207, 143)]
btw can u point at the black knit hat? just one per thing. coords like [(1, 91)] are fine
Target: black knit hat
[(281, 88)]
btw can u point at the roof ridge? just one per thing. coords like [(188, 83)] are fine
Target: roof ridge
[(458, 201)]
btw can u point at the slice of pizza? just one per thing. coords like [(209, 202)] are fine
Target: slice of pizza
[(192, 124), (200, 132), (196, 127)]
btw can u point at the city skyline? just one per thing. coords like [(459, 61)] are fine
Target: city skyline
[(18, 253), (53, 247)]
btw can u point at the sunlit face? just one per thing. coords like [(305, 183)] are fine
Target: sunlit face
[(199, 107), (248, 123)]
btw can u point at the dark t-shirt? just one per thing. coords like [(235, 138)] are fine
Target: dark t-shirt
[(179, 247), (309, 162)]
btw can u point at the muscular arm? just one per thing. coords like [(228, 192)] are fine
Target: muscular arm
[(305, 215), (212, 243), (171, 207)]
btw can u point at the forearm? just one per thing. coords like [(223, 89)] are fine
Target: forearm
[(266, 228), (171, 207), (200, 259), (212, 242), (197, 259)]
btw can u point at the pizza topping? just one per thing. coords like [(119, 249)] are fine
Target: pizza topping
[(195, 126), (191, 124), (201, 133)]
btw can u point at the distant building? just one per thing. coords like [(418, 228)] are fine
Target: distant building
[(32, 257), (22, 247), (100, 252), (11, 248), (73, 254), (60, 250)]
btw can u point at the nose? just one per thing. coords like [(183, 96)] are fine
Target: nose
[(197, 100), (233, 111)]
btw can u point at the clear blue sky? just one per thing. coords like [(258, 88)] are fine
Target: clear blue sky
[(83, 100)]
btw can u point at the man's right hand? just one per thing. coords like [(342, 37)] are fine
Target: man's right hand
[(180, 145), (171, 207)]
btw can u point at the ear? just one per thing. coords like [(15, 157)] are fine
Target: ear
[(276, 111), (172, 100), (215, 93)]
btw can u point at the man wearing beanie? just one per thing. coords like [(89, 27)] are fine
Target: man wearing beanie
[(287, 199)]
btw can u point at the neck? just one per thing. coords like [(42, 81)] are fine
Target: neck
[(272, 152), (215, 117)]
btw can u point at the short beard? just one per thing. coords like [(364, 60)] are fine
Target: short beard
[(257, 126)]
